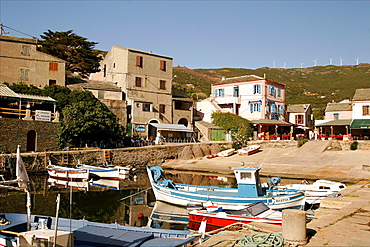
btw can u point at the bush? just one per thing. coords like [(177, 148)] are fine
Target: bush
[(354, 145), (301, 141)]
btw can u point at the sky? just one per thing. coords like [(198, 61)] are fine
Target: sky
[(208, 34)]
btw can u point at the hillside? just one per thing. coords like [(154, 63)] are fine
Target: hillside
[(315, 85)]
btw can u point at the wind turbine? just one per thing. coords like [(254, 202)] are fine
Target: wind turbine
[(284, 65), (341, 61), (273, 64), (331, 61), (357, 60), (301, 64), (315, 61)]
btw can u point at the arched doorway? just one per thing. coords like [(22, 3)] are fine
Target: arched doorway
[(31, 140), (183, 121), (151, 129)]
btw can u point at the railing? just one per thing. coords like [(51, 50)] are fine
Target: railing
[(19, 113)]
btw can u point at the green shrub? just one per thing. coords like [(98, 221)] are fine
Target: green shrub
[(354, 145), (301, 141)]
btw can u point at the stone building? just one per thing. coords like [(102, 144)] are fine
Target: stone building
[(21, 62)]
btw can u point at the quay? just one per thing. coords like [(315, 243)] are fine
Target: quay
[(340, 221)]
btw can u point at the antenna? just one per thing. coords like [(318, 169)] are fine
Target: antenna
[(315, 61), (301, 64), (341, 61), (357, 60), (331, 61)]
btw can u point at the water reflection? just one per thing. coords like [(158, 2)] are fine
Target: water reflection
[(127, 201)]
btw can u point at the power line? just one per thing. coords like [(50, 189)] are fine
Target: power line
[(2, 25)]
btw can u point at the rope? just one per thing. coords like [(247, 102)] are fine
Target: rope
[(256, 240)]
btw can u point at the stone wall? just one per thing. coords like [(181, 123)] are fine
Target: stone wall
[(13, 132)]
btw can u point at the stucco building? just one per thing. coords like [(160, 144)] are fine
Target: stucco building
[(145, 79), (21, 62)]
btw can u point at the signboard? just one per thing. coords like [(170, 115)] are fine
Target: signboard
[(43, 115), (140, 128)]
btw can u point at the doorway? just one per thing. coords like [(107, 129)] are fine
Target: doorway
[(31, 140)]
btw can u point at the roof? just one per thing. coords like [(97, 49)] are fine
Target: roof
[(338, 107), (172, 127), (362, 94), (18, 39), (6, 92), (142, 52), (360, 124), (136, 99), (338, 122), (270, 122), (297, 108), (241, 79), (208, 125), (94, 85), (180, 95)]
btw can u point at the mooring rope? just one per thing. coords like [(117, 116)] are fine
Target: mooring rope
[(261, 240)]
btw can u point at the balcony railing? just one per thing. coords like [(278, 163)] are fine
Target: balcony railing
[(26, 114)]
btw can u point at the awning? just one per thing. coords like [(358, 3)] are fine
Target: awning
[(171, 127), (270, 122), (360, 124), (335, 122)]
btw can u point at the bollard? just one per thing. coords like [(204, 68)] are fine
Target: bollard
[(294, 227)]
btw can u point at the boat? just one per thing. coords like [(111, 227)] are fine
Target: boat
[(224, 153), (74, 185), (249, 150), (168, 216), (72, 232), (249, 191), (124, 170), (67, 173), (316, 191), (106, 184), (217, 217), (101, 172)]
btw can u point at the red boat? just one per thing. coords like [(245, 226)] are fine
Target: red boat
[(217, 217)]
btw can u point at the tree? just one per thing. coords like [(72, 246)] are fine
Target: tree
[(240, 128), (78, 53), (87, 120)]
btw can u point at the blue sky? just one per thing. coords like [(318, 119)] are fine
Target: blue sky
[(209, 34)]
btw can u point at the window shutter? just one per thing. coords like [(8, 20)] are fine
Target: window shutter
[(251, 107), (223, 92), (259, 106), (279, 92), (259, 88), (364, 110), (254, 89), (139, 61), (162, 65), (216, 92)]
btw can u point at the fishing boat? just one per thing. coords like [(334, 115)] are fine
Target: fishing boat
[(67, 173), (217, 217), (101, 172), (224, 153), (71, 232), (249, 191), (316, 191), (249, 150)]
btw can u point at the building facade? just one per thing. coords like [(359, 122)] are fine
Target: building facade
[(21, 62), (146, 82)]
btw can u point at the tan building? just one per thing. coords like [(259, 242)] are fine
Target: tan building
[(146, 81), (21, 62)]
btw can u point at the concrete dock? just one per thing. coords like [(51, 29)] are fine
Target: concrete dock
[(340, 221)]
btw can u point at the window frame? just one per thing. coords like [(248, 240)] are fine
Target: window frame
[(162, 84), (139, 61), (138, 81), (162, 108)]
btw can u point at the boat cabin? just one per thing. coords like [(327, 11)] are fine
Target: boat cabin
[(249, 183)]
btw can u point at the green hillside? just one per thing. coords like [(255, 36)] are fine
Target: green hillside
[(315, 85)]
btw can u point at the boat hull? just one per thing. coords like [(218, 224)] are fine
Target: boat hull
[(102, 172), (218, 220), (184, 194), (64, 173)]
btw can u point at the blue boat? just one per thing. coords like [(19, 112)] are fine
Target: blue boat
[(249, 191), (13, 232)]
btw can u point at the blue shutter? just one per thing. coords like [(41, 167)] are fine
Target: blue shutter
[(259, 106), (273, 108), (251, 107), (216, 92), (259, 88), (272, 90), (279, 92), (223, 92)]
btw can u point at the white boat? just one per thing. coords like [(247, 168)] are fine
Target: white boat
[(249, 150), (249, 191), (101, 172), (106, 184), (316, 191), (226, 153), (123, 170), (67, 173)]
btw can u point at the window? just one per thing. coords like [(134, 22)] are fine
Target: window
[(178, 105), (279, 92), (53, 66), (365, 110), (162, 108), (24, 74), (138, 81), (162, 84), (105, 70), (281, 109), (162, 65), (26, 50), (257, 88), (219, 92), (272, 90), (336, 116), (255, 107), (52, 82), (298, 119), (100, 94), (236, 91), (146, 107), (139, 61)]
